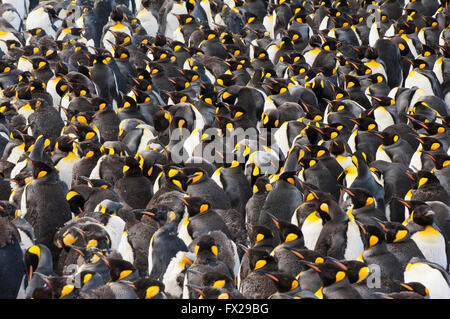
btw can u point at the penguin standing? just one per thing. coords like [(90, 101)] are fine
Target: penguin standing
[(134, 188), (44, 204), (12, 267), (340, 237)]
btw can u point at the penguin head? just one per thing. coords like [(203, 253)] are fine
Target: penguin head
[(287, 231), (154, 68), (351, 82), (373, 235), (330, 209), (262, 185), (128, 103), (283, 281), (387, 138), (290, 178), (416, 287), (418, 64), (394, 231), (43, 171), (121, 52), (117, 15), (143, 84), (76, 202), (261, 261), (260, 235), (39, 63), (65, 143), (377, 101), (330, 271), (32, 258), (56, 287), (424, 178), (365, 123), (99, 103), (277, 87), (225, 80), (360, 197), (36, 32), (162, 120), (440, 160), (147, 288), (197, 205), (79, 90), (180, 83), (206, 248), (131, 167), (121, 270), (179, 182), (357, 270), (421, 213)]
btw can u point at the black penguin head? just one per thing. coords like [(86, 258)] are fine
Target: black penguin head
[(62, 87), (380, 100), (99, 103), (197, 205), (195, 174), (76, 202), (377, 78), (276, 87), (360, 197), (32, 257), (121, 52), (287, 231), (373, 235), (147, 288), (79, 90), (357, 271), (216, 279), (162, 120), (394, 231), (416, 287), (351, 82), (365, 123), (283, 281), (330, 271), (120, 269), (65, 143), (180, 83), (206, 248), (141, 96), (440, 160), (128, 103), (179, 182), (36, 32), (43, 171), (418, 64), (387, 138), (39, 63), (144, 84), (225, 80), (262, 185), (117, 15), (131, 167), (261, 261), (260, 235)]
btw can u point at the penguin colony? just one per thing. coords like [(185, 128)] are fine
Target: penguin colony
[(342, 193)]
